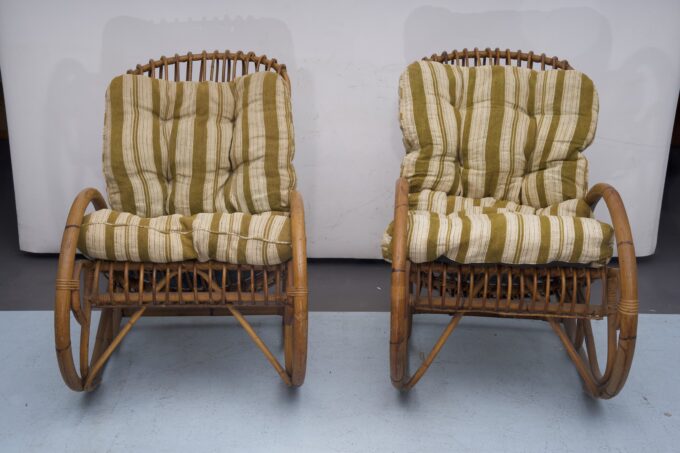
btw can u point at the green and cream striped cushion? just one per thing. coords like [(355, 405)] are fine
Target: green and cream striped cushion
[(509, 237), (242, 238), (494, 165), (121, 236), (198, 147), (497, 131), (442, 203), (257, 239)]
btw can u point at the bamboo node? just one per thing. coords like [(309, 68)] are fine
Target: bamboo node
[(628, 306), (67, 284)]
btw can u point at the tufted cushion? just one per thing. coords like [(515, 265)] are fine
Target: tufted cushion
[(497, 131), (228, 237), (487, 230), (441, 203), (198, 147), (494, 165)]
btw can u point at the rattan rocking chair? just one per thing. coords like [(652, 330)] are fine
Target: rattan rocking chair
[(230, 285), (558, 292)]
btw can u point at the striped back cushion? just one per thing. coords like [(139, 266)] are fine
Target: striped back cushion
[(198, 147), (497, 131)]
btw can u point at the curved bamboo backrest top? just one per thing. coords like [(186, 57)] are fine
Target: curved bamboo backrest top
[(214, 66), (506, 57)]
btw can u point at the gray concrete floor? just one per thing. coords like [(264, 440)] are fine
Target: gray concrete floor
[(27, 280), (200, 385)]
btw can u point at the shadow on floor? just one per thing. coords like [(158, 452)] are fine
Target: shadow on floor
[(27, 280)]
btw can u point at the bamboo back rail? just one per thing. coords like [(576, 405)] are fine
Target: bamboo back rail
[(507, 57), (214, 66), (127, 290), (562, 294)]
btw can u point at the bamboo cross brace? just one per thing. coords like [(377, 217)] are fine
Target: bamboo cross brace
[(260, 344), (101, 360), (589, 381), (433, 353)]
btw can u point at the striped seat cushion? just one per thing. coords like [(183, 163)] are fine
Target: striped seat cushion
[(489, 231), (239, 238), (497, 131), (442, 203), (198, 147)]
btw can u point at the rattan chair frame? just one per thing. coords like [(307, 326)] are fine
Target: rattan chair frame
[(558, 294), (131, 290)]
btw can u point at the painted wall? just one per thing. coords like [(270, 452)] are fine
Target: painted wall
[(344, 59)]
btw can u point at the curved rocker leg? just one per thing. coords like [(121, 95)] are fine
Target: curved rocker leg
[(109, 336), (621, 345), (295, 318), (399, 366), (295, 331)]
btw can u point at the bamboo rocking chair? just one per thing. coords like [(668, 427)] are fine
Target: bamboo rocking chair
[(560, 293), (129, 289)]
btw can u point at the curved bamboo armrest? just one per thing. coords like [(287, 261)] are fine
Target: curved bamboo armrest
[(400, 225), (69, 241), (628, 303), (298, 239)]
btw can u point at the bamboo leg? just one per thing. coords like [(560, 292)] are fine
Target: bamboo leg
[(590, 354), (102, 341), (433, 353), (580, 336), (589, 380), (116, 318), (101, 360), (260, 344), (570, 328)]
